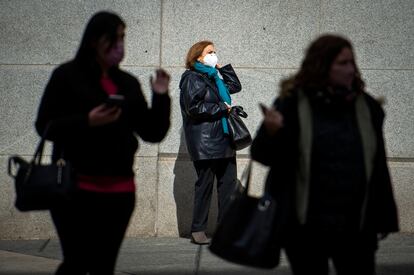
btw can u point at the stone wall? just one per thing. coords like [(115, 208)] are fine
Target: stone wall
[(263, 39)]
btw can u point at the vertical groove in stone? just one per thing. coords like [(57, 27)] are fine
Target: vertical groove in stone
[(320, 17), (161, 30), (158, 146)]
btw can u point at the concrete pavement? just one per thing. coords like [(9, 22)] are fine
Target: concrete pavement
[(178, 256)]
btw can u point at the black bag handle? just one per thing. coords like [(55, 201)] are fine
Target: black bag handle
[(239, 111), (13, 162), (39, 150), (9, 166), (246, 176)]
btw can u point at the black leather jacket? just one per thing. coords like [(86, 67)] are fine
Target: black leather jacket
[(202, 111)]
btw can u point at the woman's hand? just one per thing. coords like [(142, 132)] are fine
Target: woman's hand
[(272, 119), (228, 107), (103, 114), (161, 82)]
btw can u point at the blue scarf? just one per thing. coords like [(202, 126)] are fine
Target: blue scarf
[(223, 91)]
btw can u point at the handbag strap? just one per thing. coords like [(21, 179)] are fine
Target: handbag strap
[(39, 150), (246, 176), (14, 161), (239, 111)]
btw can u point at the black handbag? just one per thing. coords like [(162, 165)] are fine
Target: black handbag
[(240, 135), (40, 186), (248, 233)]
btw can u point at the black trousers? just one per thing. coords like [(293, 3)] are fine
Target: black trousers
[(225, 171), (91, 230), (309, 252)]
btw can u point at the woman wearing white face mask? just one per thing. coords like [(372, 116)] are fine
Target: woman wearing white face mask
[(99, 139), (205, 103)]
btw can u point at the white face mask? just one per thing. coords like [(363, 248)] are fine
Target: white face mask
[(210, 60)]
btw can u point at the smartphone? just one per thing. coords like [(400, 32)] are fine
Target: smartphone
[(115, 100)]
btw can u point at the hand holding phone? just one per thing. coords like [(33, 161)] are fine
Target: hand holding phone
[(115, 100), (272, 119), (102, 115)]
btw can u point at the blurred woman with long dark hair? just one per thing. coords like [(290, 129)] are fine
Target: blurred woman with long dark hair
[(323, 141), (98, 137)]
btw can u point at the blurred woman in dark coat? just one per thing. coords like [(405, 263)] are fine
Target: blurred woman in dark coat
[(323, 140), (99, 138)]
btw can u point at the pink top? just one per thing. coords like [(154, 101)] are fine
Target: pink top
[(106, 184), (108, 85)]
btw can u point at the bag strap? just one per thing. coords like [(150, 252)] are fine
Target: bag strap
[(9, 167), (246, 176), (14, 161), (39, 150), (239, 111)]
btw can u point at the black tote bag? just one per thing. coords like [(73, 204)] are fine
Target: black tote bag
[(248, 234), (239, 132), (40, 186)]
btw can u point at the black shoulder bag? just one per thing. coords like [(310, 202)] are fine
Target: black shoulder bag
[(40, 186), (248, 233)]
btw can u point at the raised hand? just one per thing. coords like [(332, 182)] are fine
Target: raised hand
[(161, 82), (272, 119)]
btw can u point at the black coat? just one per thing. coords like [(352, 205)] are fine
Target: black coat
[(202, 110), (281, 154), (71, 93)]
